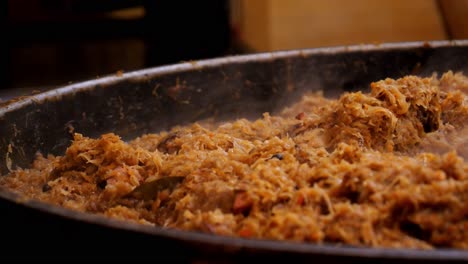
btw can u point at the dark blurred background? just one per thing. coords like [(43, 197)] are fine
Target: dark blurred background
[(47, 43), (53, 42)]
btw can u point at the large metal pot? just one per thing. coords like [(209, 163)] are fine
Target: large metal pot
[(155, 99)]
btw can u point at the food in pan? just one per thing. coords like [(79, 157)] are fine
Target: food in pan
[(382, 169)]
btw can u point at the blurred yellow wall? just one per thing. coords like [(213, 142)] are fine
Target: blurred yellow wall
[(267, 25), (456, 15)]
